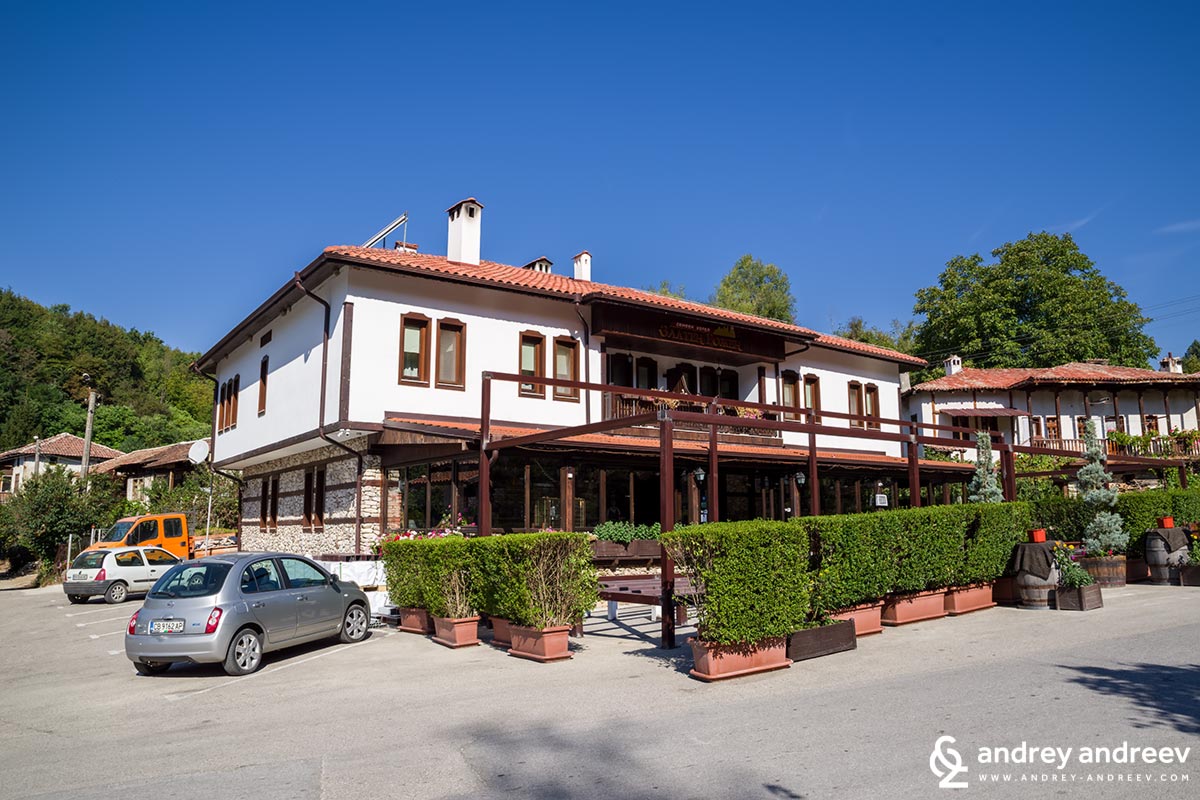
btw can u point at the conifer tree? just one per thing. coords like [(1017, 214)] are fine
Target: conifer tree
[(983, 487), (1105, 533)]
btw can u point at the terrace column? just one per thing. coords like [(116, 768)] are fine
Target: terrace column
[(693, 498), (485, 467), (1167, 410), (1057, 414), (713, 485), (1141, 411), (602, 511), (566, 489), (666, 518), (814, 480), (914, 473)]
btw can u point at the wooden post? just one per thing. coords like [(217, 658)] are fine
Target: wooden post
[(914, 473), (528, 471), (1007, 465), (1183, 476), (1141, 411), (713, 485), (858, 496), (666, 510), (632, 473), (485, 466), (404, 501), (945, 494), (1058, 426), (428, 496), (566, 496), (693, 498), (454, 500), (1167, 412), (795, 491), (603, 510), (837, 494), (814, 481)]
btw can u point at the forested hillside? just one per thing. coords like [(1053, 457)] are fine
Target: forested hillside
[(148, 396)]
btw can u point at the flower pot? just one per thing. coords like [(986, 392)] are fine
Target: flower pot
[(455, 632), (540, 644), (908, 608), (1080, 598), (1189, 575), (822, 640), (1037, 535), (501, 634), (1107, 570), (965, 599), (715, 662), (1166, 522), (416, 620), (1004, 591), (1136, 569), (1164, 565), (1035, 591), (866, 617)]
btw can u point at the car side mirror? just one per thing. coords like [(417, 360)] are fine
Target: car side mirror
[(333, 581)]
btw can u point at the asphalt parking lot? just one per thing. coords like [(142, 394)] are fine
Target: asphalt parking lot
[(398, 716)]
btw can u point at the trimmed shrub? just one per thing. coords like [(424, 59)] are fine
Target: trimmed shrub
[(1064, 518), (990, 538), (625, 532), (497, 588), (445, 577), (1185, 506), (930, 546), (541, 580), (1139, 512), (402, 568), (752, 578), (856, 563)]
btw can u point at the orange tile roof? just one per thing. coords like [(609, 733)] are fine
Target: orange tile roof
[(1077, 372), (494, 273), (645, 443), (149, 458), (66, 445)]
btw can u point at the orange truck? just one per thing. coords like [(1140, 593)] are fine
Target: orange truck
[(168, 531)]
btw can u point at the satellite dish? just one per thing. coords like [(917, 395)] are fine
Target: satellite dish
[(198, 452)]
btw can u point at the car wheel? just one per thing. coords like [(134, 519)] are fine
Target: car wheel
[(77, 598), (117, 593), (151, 667), (354, 624), (245, 653)]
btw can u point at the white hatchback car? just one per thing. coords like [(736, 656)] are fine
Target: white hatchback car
[(116, 573)]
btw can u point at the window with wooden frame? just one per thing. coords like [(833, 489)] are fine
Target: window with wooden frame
[(620, 369), (308, 499), (273, 520), (790, 393), (221, 409), (451, 354), (414, 349), (1114, 423), (871, 404), (855, 402), (1080, 426), (646, 374), (727, 385), (264, 504), (532, 362), (1151, 424), (319, 499), (264, 367), (1035, 427), (812, 397), (566, 367), (961, 422), (1052, 430), (708, 382), (233, 400)]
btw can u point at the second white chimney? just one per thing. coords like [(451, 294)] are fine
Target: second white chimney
[(463, 241), (583, 266), (953, 365)]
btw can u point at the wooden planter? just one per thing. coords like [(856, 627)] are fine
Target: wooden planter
[(965, 599), (636, 549), (1107, 570), (540, 644), (1082, 598), (717, 662), (456, 632), (908, 608), (821, 641), (866, 618), (416, 620), (1136, 569), (501, 633), (644, 548), (1004, 591), (1189, 575), (1164, 565)]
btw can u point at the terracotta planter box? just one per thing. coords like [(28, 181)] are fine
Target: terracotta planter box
[(456, 632), (909, 608), (1107, 570), (1004, 591), (1136, 570), (501, 635), (540, 644), (416, 620), (866, 618), (716, 662), (1189, 575), (1083, 598), (823, 640), (965, 599)]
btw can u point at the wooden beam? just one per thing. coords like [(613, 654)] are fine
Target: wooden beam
[(485, 466), (666, 507), (528, 470), (714, 486), (914, 474), (602, 512)]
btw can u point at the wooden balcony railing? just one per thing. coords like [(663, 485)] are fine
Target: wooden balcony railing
[(620, 406), (1154, 448)]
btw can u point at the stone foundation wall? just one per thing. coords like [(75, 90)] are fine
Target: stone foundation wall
[(337, 534)]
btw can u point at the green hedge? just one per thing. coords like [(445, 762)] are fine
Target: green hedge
[(992, 532), (625, 532), (446, 577), (1066, 518), (1185, 506), (753, 578), (498, 588), (402, 568), (854, 557)]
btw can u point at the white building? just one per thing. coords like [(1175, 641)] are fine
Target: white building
[(351, 398), (63, 450)]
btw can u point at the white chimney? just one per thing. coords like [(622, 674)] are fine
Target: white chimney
[(583, 266), (463, 244), (540, 264), (953, 365), (1171, 364)]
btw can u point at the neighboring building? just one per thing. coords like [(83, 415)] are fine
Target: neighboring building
[(63, 450), (141, 468), (351, 398), (1050, 407)]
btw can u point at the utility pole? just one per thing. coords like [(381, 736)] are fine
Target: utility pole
[(37, 455), (87, 433)]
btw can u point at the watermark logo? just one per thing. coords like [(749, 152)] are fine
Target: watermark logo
[(946, 763)]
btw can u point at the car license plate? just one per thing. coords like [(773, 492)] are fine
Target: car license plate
[(166, 626)]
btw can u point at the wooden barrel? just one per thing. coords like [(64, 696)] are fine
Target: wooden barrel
[(1035, 591), (1156, 559), (1107, 570)]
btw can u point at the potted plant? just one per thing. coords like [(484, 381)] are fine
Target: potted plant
[(624, 540), (752, 590), (1104, 538), (555, 586), (856, 567), (495, 582), (402, 569), (446, 588), (1077, 590), (821, 638), (1189, 573), (929, 551)]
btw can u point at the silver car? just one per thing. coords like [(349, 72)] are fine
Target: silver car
[(232, 608)]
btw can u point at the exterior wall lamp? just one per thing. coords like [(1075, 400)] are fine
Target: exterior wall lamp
[(801, 479), (700, 474)]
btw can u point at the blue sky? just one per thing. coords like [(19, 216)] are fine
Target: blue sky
[(168, 165)]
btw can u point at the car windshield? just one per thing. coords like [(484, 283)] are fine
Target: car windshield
[(91, 559), (117, 532), (193, 579)]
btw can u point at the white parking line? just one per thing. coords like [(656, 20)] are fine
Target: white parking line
[(116, 652), (98, 635), (102, 621), (273, 670), (93, 611)]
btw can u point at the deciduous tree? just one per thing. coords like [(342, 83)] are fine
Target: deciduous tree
[(753, 287)]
